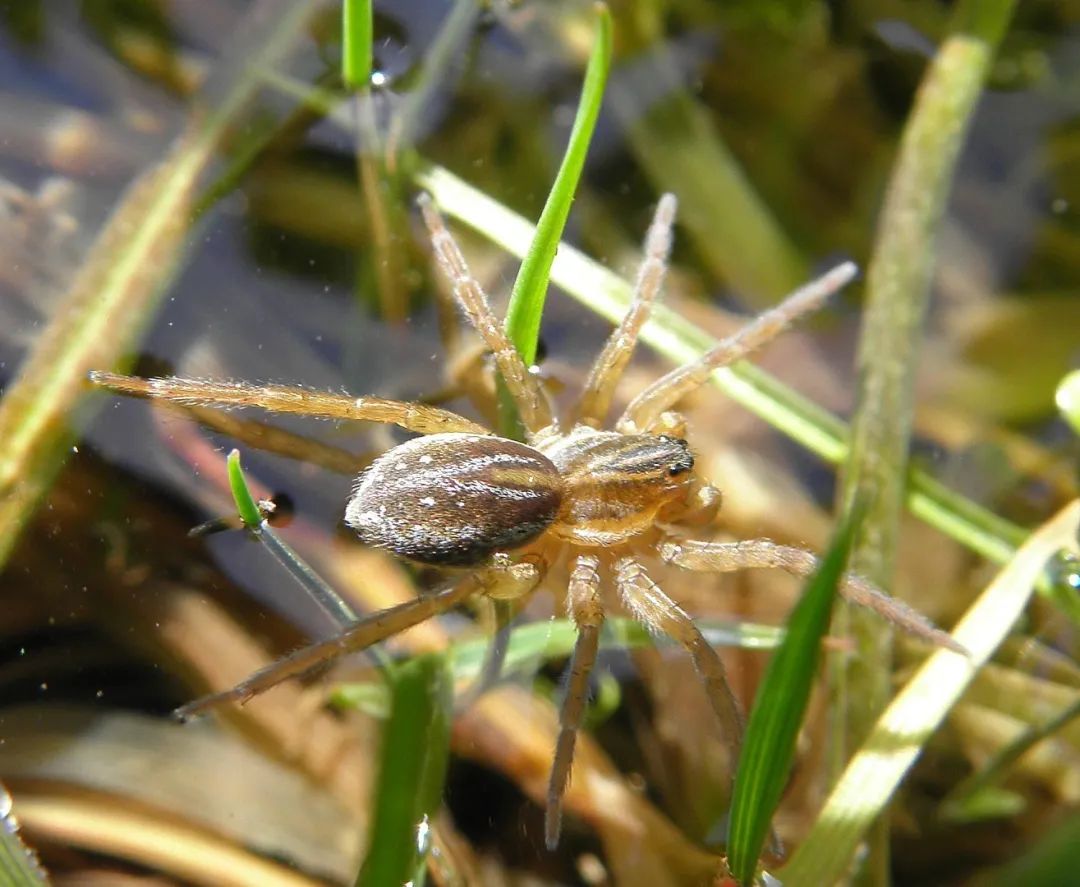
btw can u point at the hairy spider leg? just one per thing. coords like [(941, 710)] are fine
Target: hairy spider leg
[(359, 636), (645, 410), (271, 439), (494, 656), (596, 396), (419, 418), (658, 612), (502, 579), (728, 557), (586, 608), (532, 403)]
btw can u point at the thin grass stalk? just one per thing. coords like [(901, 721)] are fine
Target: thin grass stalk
[(780, 704), (118, 285), (1067, 398), (901, 733), (995, 769), (331, 603), (356, 43), (530, 287), (384, 265), (898, 287), (19, 865), (526, 306), (412, 769), (680, 149)]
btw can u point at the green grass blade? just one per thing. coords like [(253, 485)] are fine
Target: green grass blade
[(356, 42), (900, 734), (527, 297), (898, 284), (245, 502), (1067, 399), (19, 866), (120, 282), (415, 748), (542, 642), (779, 706), (317, 588), (530, 287), (960, 800), (545, 641)]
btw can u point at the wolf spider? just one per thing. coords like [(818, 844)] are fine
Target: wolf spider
[(502, 512)]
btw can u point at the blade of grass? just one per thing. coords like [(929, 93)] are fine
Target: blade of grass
[(1067, 398), (412, 768), (898, 293), (680, 149), (245, 503), (779, 706), (382, 267), (19, 866), (118, 285), (356, 41), (329, 600), (530, 287), (333, 604), (554, 639), (900, 734), (959, 800)]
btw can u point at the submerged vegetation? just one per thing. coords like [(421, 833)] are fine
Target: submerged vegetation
[(228, 190)]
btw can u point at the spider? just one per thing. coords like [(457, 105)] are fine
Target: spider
[(500, 513)]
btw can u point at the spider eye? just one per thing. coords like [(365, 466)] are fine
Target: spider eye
[(683, 465), (682, 460)]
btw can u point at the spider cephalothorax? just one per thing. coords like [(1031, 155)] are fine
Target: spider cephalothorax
[(501, 511)]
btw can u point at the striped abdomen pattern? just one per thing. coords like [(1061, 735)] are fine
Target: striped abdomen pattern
[(454, 499)]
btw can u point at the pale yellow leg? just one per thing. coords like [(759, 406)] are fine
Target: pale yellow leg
[(587, 610), (644, 410), (727, 557)]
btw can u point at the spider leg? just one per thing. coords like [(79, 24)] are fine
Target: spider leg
[(505, 583), (494, 656), (365, 632), (531, 401), (290, 399), (586, 608), (611, 361), (645, 409), (501, 579), (700, 508), (272, 439), (727, 557), (648, 603)]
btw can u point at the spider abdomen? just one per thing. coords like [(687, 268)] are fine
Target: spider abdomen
[(454, 499)]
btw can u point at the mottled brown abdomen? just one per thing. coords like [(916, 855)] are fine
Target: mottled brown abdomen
[(454, 499)]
